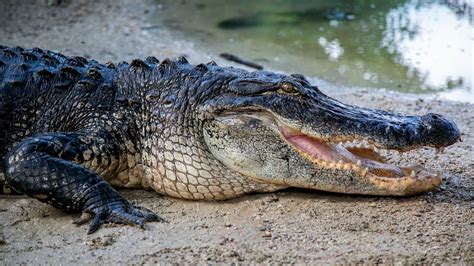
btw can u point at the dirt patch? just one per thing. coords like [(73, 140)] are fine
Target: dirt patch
[(291, 226)]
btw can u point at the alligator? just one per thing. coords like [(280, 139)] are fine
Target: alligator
[(71, 129)]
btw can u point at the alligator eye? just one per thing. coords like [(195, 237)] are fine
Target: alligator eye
[(288, 89)]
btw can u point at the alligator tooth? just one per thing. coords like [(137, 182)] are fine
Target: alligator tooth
[(412, 174), (365, 171), (440, 150), (340, 162), (359, 163)]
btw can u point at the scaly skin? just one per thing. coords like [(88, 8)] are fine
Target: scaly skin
[(68, 125)]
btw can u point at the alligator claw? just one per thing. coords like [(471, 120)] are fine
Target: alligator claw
[(121, 214), (97, 221), (146, 214)]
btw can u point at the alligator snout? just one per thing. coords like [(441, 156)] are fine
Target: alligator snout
[(438, 131), (397, 132), (386, 130)]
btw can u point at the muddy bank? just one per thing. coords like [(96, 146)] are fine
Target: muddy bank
[(291, 226)]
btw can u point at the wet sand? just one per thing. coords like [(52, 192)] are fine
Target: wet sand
[(291, 226)]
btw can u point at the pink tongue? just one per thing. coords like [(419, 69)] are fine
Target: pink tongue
[(334, 153), (319, 149)]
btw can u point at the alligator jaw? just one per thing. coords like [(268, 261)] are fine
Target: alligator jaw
[(366, 162), (279, 130)]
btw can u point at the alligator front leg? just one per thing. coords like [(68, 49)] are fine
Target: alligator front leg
[(52, 168)]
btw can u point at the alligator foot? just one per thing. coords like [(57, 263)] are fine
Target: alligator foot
[(122, 213)]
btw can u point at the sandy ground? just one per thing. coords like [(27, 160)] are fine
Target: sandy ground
[(291, 226)]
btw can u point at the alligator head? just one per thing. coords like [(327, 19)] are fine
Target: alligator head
[(280, 129)]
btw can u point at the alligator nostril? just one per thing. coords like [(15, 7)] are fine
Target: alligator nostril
[(438, 131)]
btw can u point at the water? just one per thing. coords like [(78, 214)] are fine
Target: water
[(411, 46)]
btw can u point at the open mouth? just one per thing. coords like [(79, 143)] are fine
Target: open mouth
[(348, 155), (292, 157)]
